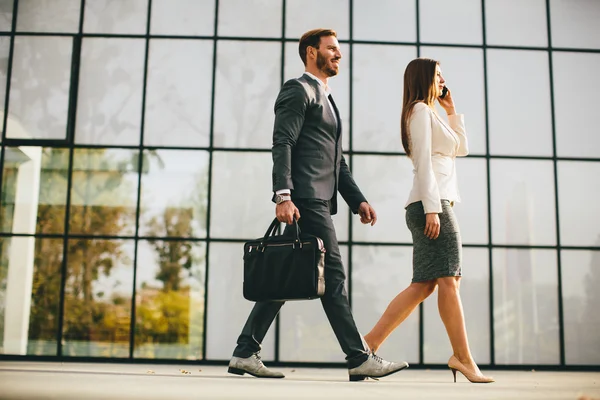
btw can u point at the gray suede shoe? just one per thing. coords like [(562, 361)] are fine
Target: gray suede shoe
[(375, 367), (252, 365)]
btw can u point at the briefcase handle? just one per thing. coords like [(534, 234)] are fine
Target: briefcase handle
[(273, 227)]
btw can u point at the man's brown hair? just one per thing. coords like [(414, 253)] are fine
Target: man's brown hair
[(312, 38)]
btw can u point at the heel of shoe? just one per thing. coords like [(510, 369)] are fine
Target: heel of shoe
[(453, 373), (236, 371), (356, 378)]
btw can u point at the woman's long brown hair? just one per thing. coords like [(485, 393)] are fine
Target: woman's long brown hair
[(419, 86)]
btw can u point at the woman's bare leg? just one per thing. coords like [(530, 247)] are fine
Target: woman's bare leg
[(397, 311), (451, 312)]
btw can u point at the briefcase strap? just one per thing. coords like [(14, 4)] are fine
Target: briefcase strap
[(273, 227)]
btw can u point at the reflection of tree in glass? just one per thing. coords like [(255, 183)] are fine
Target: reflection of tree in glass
[(168, 317), (40, 102), (88, 316), (250, 93)]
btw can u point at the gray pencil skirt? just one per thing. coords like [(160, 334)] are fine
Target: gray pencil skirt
[(439, 257)]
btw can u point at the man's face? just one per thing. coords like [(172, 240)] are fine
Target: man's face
[(329, 55)]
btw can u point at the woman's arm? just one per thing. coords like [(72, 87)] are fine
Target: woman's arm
[(420, 142)]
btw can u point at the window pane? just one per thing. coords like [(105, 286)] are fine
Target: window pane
[(30, 275), (390, 20), (98, 292), (245, 93), (174, 193), (526, 19), (301, 16), (170, 299), (372, 292), (183, 17), (525, 306), (109, 104), (385, 181), (265, 21), (243, 217), (377, 96), (339, 85), (463, 71), (123, 16), (463, 15), (575, 23), (579, 224), (580, 281), (523, 206), (475, 297), (6, 14), (227, 308), (49, 15), (34, 190), (575, 136), (104, 192), (178, 93), (305, 334), (519, 126), (472, 211), (39, 91)]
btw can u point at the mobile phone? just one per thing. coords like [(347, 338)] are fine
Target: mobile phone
[(444, 92)]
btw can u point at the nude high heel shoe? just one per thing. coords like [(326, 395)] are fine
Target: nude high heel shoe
[(455, 365)]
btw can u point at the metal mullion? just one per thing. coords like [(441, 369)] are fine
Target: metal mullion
[(489, 190), (281, 80), (209, 183), (421, 307), (561, 331), (72, 119), (140, 168), (350, 146), (11, 50)]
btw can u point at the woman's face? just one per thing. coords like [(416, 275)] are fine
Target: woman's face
[(439, 80)]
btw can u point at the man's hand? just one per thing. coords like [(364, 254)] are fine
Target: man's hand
[(367, 213), (432, 225), (286, 212)]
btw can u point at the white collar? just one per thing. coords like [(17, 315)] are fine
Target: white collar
[(325, 87)]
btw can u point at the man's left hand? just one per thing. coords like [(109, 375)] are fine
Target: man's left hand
[(367, 213)]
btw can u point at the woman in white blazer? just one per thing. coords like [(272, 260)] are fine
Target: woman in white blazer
[(432, 144)]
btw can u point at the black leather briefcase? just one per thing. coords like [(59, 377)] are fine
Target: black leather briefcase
[(284, 267)]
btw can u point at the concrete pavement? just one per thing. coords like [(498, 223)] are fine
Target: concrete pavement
[(41, 380)]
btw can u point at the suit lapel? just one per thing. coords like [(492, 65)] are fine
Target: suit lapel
[(337, 115), (449, 129)]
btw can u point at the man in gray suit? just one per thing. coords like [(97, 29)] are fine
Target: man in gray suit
[(308, 171)]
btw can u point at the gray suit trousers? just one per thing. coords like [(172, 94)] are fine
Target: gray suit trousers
[(315, 219)]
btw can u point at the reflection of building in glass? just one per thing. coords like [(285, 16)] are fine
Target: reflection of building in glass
[(22, 167)]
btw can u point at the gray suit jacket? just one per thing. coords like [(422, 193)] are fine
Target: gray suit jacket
[(307, 146)]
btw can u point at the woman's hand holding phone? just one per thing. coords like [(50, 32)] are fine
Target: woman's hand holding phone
[(446, 101)]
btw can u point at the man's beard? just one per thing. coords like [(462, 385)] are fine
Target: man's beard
[(322, 65)]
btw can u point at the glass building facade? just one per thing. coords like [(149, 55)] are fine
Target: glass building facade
[(135, 161)]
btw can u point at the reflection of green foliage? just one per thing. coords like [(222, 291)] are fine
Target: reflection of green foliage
[(169, 318)]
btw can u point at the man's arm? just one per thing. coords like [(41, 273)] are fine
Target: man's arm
[(290, 108), (349, 189)]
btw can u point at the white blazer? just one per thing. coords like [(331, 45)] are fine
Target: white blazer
[(434, 145)]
